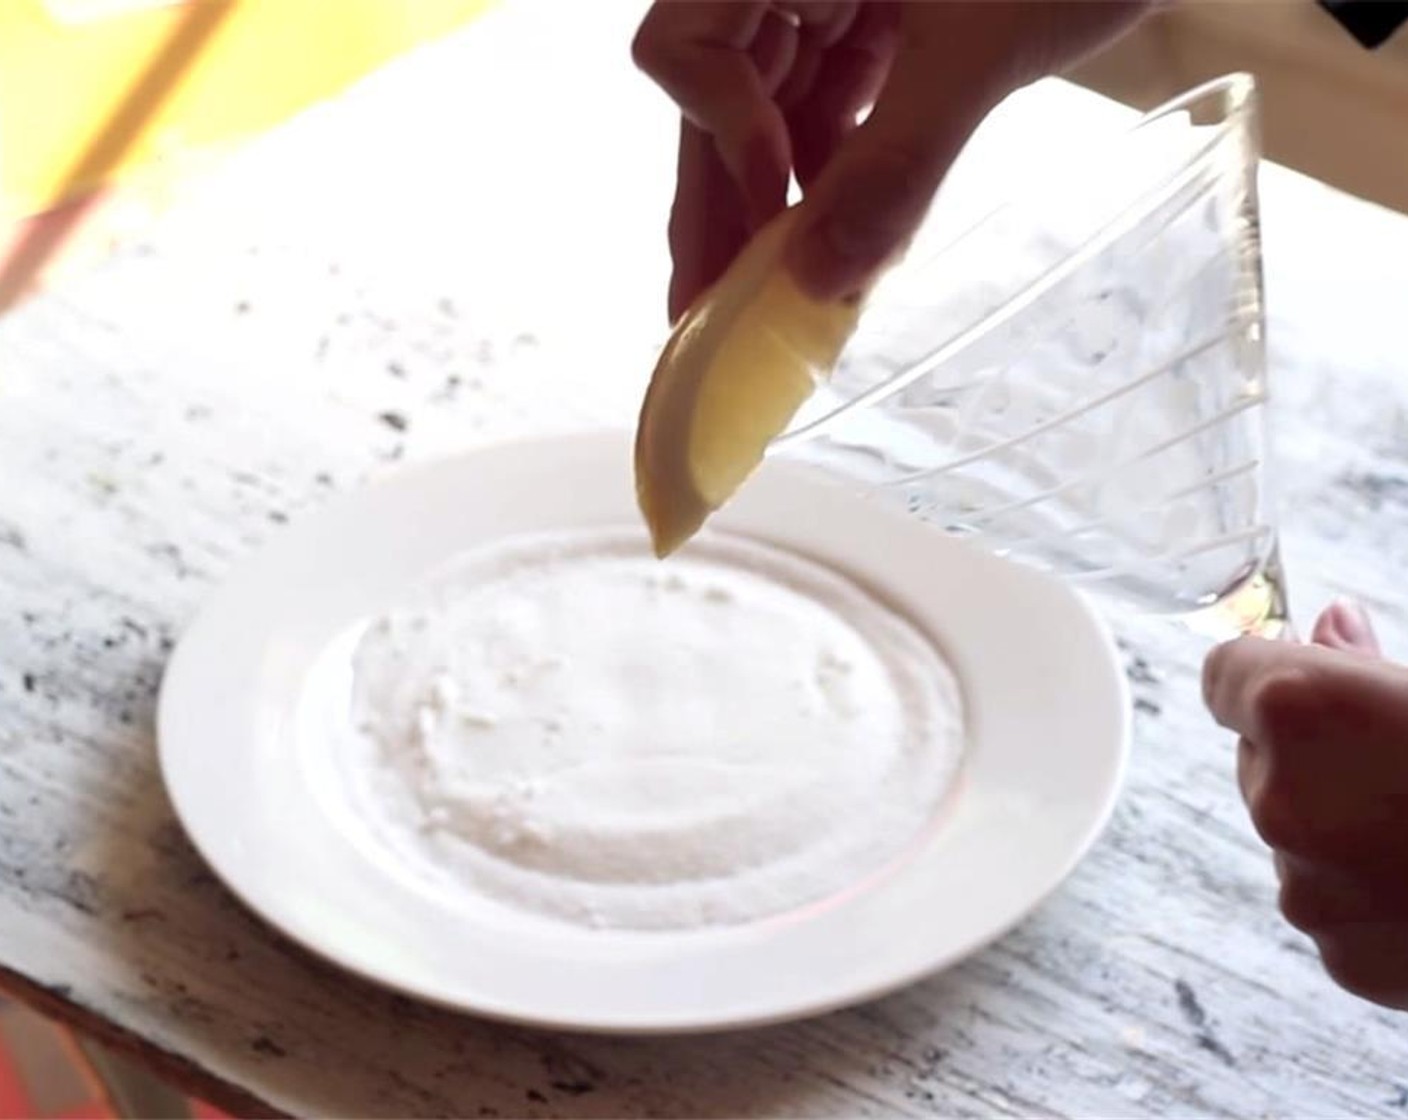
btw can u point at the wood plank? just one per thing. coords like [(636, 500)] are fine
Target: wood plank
[(1332, 109)]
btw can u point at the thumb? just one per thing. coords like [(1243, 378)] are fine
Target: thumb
[(1345, 626), (873, 195)]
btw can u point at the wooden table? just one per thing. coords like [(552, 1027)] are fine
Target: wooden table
[(469, 248)]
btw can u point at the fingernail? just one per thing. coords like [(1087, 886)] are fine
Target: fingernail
[(862, 222), (835, 255), (1351, 623)]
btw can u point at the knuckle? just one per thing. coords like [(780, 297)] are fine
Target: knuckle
[(898, 158), (1345, 967), (681, 225), (647, 43), (1219, 676), (1277, 820), (1363, 971), (641, 52), (1282, 705), (1303, 904)]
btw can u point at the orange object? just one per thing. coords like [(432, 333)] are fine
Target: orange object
[(94, 92)]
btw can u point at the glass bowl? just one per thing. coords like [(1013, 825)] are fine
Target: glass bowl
[(1077, 379)]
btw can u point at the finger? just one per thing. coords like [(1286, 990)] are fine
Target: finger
[(1339, 810), (872, 197), (826, 19), (699, 52), (708, 221), (1344, 625), (1277, 691), (849, 78), (774, 50), (1370, 961), (1323, 763), (1318, 898), (853, 68), (821, 29), (815, 142), (1251, 770), (802, 75), (1250, 678), (955, 62), (1281, 824)]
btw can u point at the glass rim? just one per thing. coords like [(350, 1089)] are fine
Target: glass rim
[(1236, 92)]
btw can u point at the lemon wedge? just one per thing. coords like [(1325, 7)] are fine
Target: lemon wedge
[(737, 367)]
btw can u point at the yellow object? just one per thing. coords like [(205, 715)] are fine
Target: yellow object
[(93, 92), (739, 364)]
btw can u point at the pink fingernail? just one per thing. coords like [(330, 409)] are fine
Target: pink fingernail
[(1350, 621)]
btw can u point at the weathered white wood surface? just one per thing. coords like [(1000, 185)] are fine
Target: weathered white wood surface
[(470, 248)]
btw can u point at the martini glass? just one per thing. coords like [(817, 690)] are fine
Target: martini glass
[(1077, 379)]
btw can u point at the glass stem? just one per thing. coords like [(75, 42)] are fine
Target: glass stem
[(1258, 608)]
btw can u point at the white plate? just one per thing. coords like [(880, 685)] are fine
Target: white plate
[(1046, 699)]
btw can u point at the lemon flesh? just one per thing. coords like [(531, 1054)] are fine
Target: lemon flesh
[(737, 367)]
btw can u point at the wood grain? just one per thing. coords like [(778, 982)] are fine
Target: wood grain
[(335, 305), (1333, 109)]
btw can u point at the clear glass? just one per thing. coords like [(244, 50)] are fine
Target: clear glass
[(1078, 380)]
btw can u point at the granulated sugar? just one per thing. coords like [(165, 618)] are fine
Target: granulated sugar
[(569, 727)]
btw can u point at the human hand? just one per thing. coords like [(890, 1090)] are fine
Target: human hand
[(1323, 766), (769, 89)]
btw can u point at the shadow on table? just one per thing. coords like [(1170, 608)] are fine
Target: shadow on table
[(251, 1015)]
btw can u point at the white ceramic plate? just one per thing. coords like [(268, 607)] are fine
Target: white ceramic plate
[(1047, 708)]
